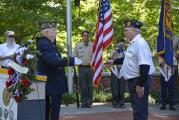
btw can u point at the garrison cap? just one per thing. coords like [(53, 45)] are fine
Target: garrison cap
[(133, 23), (47, 25)]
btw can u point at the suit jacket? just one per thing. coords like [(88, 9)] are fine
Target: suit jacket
[(51, 64)]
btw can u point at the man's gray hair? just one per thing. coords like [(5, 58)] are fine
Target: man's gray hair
[(137, 30)]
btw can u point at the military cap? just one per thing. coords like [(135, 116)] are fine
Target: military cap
[(47, 25), (133, 23)]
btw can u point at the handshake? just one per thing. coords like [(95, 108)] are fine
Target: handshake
[(78, 61)]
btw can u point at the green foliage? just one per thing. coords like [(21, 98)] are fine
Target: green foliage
[(127, 97), (68, 98), (154, 97), (101, 96), (23, 16)]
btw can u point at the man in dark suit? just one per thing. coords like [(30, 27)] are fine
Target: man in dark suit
[(52, 64)]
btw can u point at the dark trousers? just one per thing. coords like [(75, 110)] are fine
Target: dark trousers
[(86, 87), (139, 105), (176, 88), (117, 90), (53, 107), (167, 86)]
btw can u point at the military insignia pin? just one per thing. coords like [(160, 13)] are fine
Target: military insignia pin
[(6, 97)]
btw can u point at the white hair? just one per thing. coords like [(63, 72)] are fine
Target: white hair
[(137, 30)]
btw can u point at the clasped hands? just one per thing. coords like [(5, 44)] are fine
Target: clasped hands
[(108, 64), (77, 61)]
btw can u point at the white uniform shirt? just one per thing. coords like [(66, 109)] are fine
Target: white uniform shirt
[(5, 50), (138, 53)]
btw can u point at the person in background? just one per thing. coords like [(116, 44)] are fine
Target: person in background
[(176, 58), (83, 50), (52, 65), (8, 49), (167, 86), (117, 82), (137, 67)]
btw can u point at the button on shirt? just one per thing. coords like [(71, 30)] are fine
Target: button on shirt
[(84, 52), (6, 50), (137, 53)]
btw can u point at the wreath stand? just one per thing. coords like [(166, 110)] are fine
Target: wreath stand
[(31, 109)]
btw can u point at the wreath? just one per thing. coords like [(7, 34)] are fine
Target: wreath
[(23, 74)]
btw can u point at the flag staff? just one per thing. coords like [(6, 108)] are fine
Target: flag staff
[(69, 45)]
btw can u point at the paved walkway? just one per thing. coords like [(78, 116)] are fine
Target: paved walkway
[(104, 111)]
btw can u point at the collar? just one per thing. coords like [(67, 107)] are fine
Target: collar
[(84, 43), (10, 45), (135, 38)]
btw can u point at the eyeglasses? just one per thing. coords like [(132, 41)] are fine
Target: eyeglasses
[(85, 35), (10, 36)]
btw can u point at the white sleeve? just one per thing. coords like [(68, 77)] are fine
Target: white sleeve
[(1, 54), (144, 54)]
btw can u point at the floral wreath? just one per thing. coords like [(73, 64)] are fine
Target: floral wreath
[(18, 84)]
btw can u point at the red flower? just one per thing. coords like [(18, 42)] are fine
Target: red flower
[(10, 71), (26, 62), (25, 82), (8, 83), (18, 98)]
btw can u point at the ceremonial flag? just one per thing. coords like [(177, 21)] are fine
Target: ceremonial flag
[(103, 38), (164, 41)]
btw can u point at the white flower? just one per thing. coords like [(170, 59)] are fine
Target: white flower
[(21, 50), (29, 56)]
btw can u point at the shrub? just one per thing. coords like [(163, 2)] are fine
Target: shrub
[(68, 98)]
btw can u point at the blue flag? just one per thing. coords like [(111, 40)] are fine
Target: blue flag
[(164, 40)]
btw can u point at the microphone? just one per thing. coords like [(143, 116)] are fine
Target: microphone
[(27, 43)]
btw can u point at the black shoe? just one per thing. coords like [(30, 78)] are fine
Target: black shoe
[(88, 106), (83, 106), (163, 107), (115, 106), (172, 108), (121, 106)]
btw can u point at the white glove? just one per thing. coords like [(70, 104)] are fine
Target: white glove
[(29, 56), (77, 61)]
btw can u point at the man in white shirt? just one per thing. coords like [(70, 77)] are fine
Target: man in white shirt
[(8, 49), (136, 68)]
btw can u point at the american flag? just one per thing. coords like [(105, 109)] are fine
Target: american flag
[(103, 38)]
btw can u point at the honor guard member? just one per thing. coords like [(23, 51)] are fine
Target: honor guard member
[(168, 86), (52, 64), (8, 49), (137, 68), (175, 62), (117, 83), (83, 50)]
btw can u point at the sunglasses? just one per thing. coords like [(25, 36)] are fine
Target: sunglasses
[(10, 36)]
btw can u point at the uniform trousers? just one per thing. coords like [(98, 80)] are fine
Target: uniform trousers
[(86, 87), (167, 86), (117, 89), (139, 104), (176, 88), (53, 107)]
